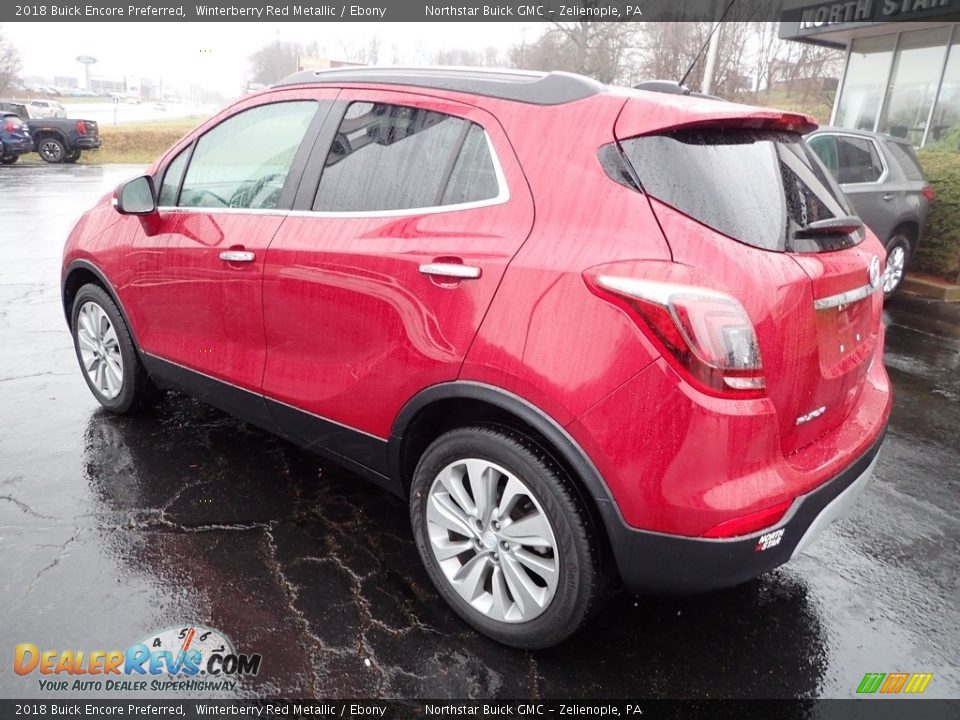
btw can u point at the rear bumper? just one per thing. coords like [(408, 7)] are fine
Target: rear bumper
[(17, 146), (662, 563), (87, 143)]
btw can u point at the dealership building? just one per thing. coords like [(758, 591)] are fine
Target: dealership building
[(901, 72)]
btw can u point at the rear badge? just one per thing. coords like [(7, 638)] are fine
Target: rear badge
[(769, 540), (813, 414)]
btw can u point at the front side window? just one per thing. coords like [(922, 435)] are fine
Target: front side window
[(394, 157), (243, 162), (171, 179), (857, 160)]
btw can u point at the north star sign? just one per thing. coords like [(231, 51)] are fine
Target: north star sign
[(818, 17)]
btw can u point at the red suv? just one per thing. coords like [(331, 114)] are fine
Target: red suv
[(593, 334)]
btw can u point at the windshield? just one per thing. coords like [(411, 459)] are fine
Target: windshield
[(759, 187)]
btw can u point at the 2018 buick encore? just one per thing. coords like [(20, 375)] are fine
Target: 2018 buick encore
[(591, 333)]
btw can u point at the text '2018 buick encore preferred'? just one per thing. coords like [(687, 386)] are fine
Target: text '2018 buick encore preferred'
[(593, 334)]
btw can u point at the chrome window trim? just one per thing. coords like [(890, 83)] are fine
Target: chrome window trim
[(502, 196)]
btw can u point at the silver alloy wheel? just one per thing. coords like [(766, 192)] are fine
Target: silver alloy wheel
[(51, 150), (492, 540), (896, 262), (100, 350)]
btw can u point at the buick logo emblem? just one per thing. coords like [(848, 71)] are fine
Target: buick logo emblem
[(874, 272)]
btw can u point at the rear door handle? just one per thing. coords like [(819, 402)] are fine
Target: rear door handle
[(888, 197), (237, 256), (451, 270)]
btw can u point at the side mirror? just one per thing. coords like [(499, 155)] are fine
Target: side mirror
[(136, 197)]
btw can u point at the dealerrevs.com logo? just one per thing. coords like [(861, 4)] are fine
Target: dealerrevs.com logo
[(190, 659)]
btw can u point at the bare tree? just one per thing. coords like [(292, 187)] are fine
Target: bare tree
[(275, 61), (601, 50), (488, 57), (9, 65)]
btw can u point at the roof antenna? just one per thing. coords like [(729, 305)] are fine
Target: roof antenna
[(706, 42)]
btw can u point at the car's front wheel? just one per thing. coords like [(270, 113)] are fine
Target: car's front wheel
[(503, 536), (106, 353), (898, 254), (9, 159)]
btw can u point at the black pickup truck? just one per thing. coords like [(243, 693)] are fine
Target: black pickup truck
[(56, 140)]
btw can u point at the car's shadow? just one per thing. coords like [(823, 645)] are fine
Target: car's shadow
[(315, 569)]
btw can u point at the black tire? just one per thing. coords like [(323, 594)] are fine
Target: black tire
[(72, 156), (51, 150), (899, 250), (136, 389), (9, 159), (580, 587)]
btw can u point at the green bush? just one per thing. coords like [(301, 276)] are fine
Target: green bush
[(939, 252)]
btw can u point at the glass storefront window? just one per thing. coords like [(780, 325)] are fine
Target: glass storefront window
[(913, 83), (864, 82), (946, 115)]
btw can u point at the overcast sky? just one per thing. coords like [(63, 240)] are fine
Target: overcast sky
[(215, 53)]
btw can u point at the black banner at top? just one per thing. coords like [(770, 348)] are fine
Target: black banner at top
[(797, 11)]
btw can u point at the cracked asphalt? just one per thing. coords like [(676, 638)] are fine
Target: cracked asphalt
[(112, 528)]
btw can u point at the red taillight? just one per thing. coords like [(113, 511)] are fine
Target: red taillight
[(928, 193), (81, 127), (704, 334), (11, 127), (746, 524)]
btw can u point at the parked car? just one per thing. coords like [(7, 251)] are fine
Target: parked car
[(56, 140), (586, 332), (15, 138), (45, 109), (882, 177)]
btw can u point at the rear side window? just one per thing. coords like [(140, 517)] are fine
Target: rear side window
[(906, 159), (756, 186), (394, 157), (858, 161), (243, 162)]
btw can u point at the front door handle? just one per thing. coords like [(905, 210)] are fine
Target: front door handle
[(888, 197), (237, 256), (451, 270)]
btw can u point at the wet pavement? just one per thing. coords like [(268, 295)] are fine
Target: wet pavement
[(112, 528)]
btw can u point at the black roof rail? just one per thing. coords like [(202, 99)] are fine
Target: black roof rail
[(553, 88)]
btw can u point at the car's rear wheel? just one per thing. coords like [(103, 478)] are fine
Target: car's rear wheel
[(503, 536), (106, 353), (898, 255), (51, 150), (9, 159)]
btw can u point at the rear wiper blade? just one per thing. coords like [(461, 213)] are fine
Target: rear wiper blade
[(843, 225)]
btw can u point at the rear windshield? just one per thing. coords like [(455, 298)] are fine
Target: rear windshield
[(906, 160), (756, 186)]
